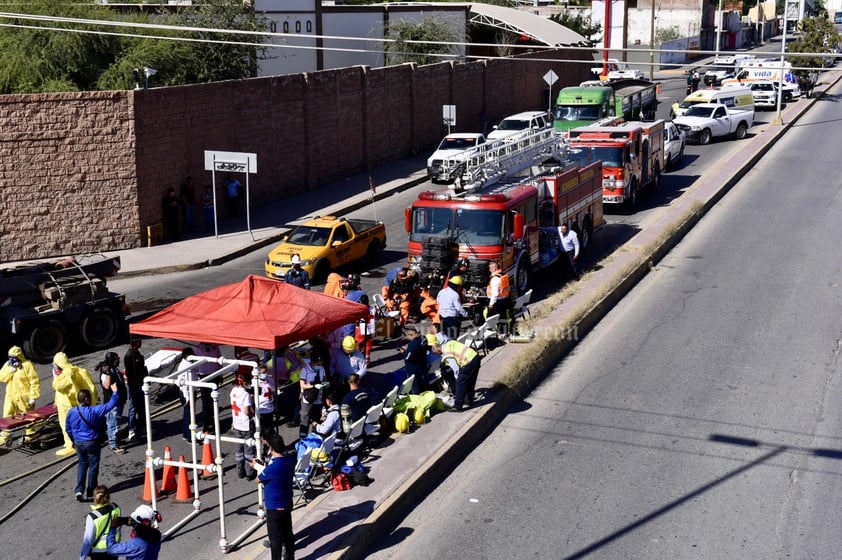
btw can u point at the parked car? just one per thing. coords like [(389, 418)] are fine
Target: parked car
[(674, 142), (520, 123), (446, 162)]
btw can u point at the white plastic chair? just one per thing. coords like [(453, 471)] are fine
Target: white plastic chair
[(372, 420), (327, 448), (474, 339), (354, 440), (380, 304), (489, 330), (521, 306)]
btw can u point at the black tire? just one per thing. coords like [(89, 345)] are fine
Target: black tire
[(656, 180), (523, 276), (586, 236), (742, 130), (100, 328), (631, 201), (45, 341), (704, 137), (372, 254), (320, 271)]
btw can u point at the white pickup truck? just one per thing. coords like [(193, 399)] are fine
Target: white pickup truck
[(619, 71), (706, 120)]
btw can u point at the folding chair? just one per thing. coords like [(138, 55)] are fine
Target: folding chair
[(372, 420), (389, 403), (474, 339), (380, 304), (406, 386), (521, 306), (326, 451), (489, 330), (302, 476), (355, 438)]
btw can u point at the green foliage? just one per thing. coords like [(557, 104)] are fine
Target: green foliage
[(427, 31), (663, 34), (41, 59), (818, 36), (579, 23)]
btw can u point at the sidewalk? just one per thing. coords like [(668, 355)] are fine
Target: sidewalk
[(268, 221), (346, 524)]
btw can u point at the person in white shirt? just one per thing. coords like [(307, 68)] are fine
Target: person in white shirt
[(266, 399), (242, 416), (331, 418), (312, 378), (450, 307), (570, 246), (184, 396)]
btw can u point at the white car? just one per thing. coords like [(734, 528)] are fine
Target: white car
[(516, 125), (673, 144), (445, 163), (765, 94)]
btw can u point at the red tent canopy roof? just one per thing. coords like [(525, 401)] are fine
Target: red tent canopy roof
[(256, 313)]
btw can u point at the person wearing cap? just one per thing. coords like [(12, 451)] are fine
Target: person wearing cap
[(402, 293), (144, 542), (464, 362), (450, 307), (297, 276), (242, 423), (97, 523), (460, 269), (415, 358), (349, 360), (277, 480)]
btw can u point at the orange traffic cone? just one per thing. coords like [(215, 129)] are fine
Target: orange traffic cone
[(207, 459), (168, 478), (184, 493), (147, 485)]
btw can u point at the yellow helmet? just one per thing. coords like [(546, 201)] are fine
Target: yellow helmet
[(456, 281), (431, 339), (349, 344)]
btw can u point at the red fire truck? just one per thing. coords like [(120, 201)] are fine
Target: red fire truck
[(632, 155), (514, 222)]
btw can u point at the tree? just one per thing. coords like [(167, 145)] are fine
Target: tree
[(580, 24), (818, 36), (431, 38)]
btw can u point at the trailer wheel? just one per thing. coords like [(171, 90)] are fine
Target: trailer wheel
[(523, 274), (45, 341), (100, 328)]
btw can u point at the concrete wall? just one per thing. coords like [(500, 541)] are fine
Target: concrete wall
[(87, 171)]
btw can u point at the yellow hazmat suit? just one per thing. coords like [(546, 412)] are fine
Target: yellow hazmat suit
[(22, 387), (68, 380)]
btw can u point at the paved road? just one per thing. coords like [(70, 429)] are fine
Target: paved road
[(701, 418)]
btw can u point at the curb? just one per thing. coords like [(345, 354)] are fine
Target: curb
[(388, 514)]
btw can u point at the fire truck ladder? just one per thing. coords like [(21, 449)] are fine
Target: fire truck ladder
[(488, 163)]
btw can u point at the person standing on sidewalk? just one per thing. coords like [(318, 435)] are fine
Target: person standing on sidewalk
[(84, 428), (277, 480), (570, 246)]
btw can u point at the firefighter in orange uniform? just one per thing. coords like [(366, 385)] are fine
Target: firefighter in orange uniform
[(499, 297)]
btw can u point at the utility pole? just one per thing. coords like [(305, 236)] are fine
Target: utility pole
[(718, 28), (652, 44)]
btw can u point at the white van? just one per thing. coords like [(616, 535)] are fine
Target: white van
[(736, 96), (519, 124)]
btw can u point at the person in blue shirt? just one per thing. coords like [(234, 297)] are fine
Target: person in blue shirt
[(277, 480), (297, 276), (85, 425), (145, 540)]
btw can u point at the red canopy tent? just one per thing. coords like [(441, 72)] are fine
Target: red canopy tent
[(256, 313)]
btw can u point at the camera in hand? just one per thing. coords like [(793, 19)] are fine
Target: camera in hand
[(124, 520)]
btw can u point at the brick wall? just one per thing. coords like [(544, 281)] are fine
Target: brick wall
[(87, 171)]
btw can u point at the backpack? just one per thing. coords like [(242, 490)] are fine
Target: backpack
[(340, 482)]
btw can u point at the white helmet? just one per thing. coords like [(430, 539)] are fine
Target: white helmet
[(143, 512)]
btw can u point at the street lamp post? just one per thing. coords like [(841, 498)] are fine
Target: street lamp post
[(652, 44), (718, 28), (778, 120)]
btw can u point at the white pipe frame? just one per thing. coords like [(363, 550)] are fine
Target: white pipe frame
[(152, 461)]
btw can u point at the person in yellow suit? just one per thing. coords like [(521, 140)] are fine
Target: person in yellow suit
[(68, 380), (22, 389)]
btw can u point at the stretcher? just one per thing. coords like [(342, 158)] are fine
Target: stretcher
[(44, 422)]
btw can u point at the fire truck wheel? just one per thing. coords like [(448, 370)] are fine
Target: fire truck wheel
[(656, 180), (523, 275), (585, 237), (631, 201), (100, 328), (45, 341)]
